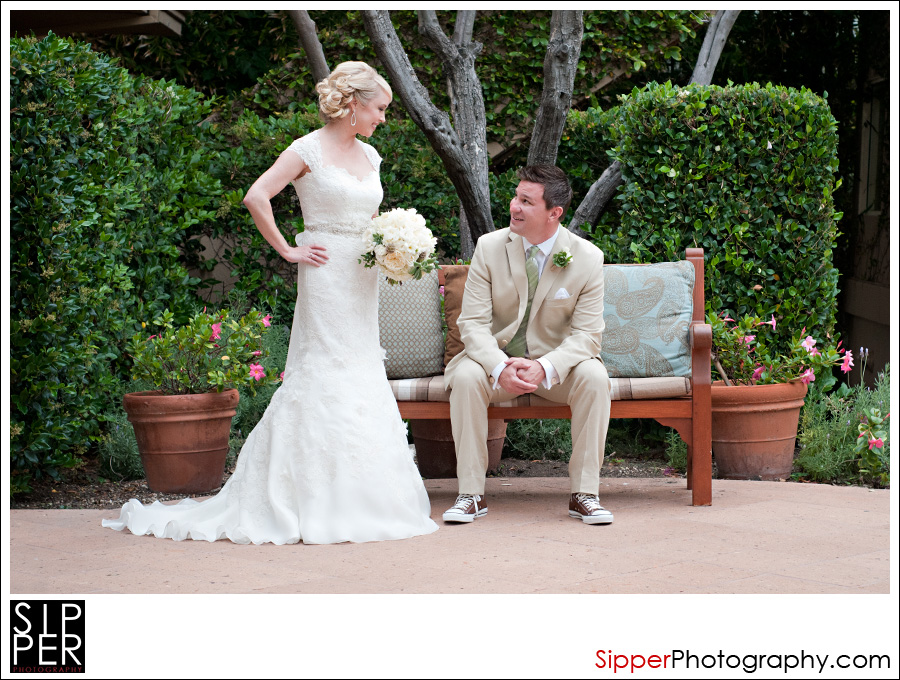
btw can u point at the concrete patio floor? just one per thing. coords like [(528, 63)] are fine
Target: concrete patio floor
[(757, 537)]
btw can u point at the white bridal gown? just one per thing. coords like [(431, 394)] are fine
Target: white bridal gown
[(328, 462)]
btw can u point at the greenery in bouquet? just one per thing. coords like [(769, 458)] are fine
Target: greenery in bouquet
[(212, 352), (400, 245), (742, 356)]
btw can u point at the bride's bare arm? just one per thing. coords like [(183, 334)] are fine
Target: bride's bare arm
[(258, 200)]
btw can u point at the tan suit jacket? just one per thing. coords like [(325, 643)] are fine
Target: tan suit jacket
[(566, 331)]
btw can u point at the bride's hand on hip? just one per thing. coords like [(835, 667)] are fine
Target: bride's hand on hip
[(314, 255)]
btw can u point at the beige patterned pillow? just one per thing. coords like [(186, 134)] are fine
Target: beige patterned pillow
[(409, 320)]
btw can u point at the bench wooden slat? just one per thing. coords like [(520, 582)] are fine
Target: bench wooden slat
[(642, 408)]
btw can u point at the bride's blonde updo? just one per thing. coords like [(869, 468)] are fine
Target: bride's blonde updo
[(351, 79)]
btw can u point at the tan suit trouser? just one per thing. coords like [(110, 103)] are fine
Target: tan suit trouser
[(585, 390)]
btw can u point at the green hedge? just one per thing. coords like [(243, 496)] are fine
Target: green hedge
[(106, 180), (745, 172)]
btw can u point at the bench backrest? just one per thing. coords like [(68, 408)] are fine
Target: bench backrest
[(648, 312)]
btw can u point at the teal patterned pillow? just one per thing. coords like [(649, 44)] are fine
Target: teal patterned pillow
[(409, 321), (647, 310)]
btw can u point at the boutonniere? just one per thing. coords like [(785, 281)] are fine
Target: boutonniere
[(562, 258)]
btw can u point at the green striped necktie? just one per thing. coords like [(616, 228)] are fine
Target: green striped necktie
[(517, 346)]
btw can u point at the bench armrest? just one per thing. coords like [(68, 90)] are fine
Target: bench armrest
[(701, 352)]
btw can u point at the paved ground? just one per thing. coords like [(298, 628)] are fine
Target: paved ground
[(758, 537)]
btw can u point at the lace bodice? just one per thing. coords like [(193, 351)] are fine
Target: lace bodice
[(333, 200)]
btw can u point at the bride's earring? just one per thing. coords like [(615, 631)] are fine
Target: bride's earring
[(353, 119)]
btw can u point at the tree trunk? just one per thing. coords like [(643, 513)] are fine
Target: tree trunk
[(464, 155), (560, 66), (716, 35), (462, 35), (603, 189), (466, 107), (309, 39)]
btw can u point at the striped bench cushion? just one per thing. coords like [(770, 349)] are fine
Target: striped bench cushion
[(432, 389)]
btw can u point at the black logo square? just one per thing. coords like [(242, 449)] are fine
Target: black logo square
[(47, 636)]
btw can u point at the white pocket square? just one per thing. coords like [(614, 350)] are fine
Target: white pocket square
[(562, 294)]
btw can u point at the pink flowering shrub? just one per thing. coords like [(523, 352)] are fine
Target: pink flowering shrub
[(843, 435), (742, 354), (186, 360), (873, 434)]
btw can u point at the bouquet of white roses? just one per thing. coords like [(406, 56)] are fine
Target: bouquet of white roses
[(401, 245)]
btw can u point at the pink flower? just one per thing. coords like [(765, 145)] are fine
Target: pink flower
[(758, 372), (256, 353), (848, 362), (441, 290), (727, 318), (217, 330), (875, 443), (749, 339), (772, 322), (151, 337), (256, 372), (808, 377), (267, 320), (808, 344), (281, 377)]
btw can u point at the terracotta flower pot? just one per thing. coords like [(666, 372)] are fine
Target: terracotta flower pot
[(754, 428), (436, 452), (183, 439)]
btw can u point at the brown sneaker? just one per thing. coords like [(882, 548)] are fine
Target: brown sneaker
[(466, 509), (587, 508)]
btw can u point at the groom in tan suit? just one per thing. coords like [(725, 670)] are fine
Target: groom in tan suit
[(532, 321)]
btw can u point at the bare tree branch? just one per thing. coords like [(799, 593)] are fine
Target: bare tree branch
[(309, 39), (463, 154), (716, 35), (434, 35), (597, 197), (466, 106), (465, 26), (560, 66), (462, 35)]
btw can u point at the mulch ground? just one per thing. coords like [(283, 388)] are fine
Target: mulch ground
[(85, 488)]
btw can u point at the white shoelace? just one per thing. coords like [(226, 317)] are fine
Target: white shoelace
[(589, 502), (463, 500)]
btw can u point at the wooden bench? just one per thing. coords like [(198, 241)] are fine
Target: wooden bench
[(689, 415)]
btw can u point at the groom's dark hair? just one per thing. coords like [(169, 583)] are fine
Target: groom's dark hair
[(557, 191)]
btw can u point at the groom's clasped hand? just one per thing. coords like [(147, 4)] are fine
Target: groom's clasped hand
[(522, 376)]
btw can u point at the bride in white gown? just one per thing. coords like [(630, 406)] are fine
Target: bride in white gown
[(328, 462)]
